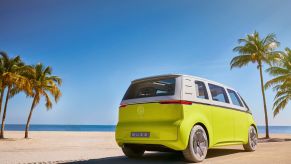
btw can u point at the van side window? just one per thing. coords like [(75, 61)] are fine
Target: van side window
[(218, 93), (234, 98), (200, 89)]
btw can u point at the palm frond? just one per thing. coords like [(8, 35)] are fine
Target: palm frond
[(240, 61), (48, 102), (277, 71), (274, 81), (14, 91), (280, 104)]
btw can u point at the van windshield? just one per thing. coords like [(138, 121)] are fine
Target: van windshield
[(151, 88)]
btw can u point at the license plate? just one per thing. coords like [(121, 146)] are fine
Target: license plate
[(140, 134)]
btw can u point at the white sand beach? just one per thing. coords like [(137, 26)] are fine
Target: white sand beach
[(100, 147)]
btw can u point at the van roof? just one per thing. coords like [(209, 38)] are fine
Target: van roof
[(178, 75)]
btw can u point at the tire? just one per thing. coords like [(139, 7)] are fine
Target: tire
[(252, 139), (196, 150), (133, 151)]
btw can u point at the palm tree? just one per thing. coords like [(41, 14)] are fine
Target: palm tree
[(282, 81), (43, 84), (10, 75), (257, 50)]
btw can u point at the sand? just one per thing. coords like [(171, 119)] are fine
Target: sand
[(100, 147)]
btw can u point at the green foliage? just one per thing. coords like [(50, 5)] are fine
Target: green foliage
[(281, 83), (12, 71), (256, 50)]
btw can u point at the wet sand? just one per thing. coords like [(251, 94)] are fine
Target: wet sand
[(100, 147)]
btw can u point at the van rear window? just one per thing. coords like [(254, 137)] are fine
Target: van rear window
[(151, 88)]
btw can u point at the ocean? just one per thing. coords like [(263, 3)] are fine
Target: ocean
[(111, 128)]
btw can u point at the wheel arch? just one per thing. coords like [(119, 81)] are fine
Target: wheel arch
[(189, 122), (189, 126), (206, 130), (255, 128)]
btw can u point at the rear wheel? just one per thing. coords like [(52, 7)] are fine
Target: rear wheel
[(252, 140), (133, 151), (197, 146)]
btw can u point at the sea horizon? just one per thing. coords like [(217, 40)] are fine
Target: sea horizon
[(276, 129)]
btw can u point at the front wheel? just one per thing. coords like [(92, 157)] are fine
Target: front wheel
[(252, 140), (133, 151), (197, 146)]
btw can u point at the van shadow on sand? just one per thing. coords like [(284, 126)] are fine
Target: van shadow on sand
[(265, 140), (159, 157)]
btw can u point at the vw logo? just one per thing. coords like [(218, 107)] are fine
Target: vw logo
[(140, 110)]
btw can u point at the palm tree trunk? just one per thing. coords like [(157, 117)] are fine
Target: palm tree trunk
[(4, 114), (29, 118), (1, 98), (264, 100)]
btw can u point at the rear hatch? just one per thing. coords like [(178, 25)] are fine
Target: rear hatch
[(152, 105)]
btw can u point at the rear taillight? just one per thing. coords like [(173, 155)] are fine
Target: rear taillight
[(176, 102), (122, 105)]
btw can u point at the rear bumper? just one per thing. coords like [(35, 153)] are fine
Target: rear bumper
[(161, 133)]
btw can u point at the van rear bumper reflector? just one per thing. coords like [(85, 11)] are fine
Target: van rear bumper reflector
[(176, 102), (122, 105)]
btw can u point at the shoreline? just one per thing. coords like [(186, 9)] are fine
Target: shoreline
[(100, 147), (111, 128)]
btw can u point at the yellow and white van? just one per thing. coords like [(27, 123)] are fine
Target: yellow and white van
[(183, 113)]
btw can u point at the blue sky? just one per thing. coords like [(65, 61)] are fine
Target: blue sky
[(99, 46)]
